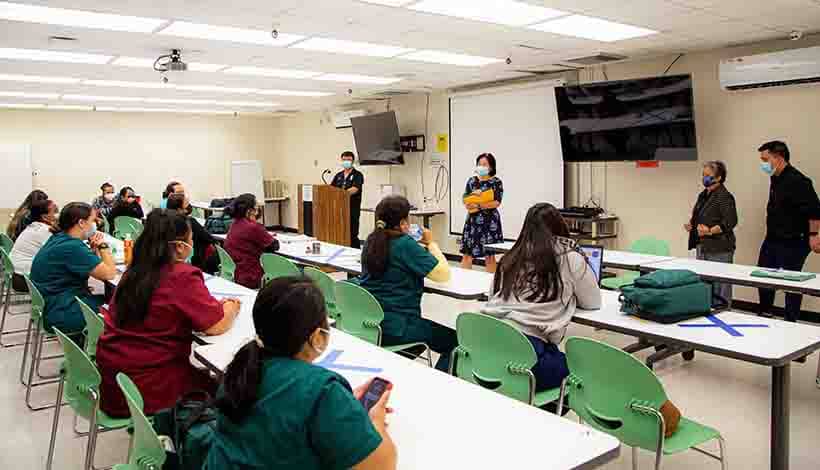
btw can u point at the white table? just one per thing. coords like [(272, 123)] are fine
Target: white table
[(206, 206), (776, 345), (425, 214), (612, 258)]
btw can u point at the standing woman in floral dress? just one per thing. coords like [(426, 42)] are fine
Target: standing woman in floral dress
[(483, 225)]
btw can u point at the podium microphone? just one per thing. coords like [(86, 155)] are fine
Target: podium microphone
[(324, 174)]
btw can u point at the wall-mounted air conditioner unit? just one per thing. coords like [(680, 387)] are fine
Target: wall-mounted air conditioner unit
[(341, 119), (790, 67)]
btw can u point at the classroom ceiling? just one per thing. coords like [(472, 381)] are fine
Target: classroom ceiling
[(679, 25)]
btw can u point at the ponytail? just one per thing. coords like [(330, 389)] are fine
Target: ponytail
[(389, 214), (241, 382)]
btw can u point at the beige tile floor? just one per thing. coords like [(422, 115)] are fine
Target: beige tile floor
[(729, 395)]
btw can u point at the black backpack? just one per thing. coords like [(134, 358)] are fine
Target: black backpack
[(190, 425)]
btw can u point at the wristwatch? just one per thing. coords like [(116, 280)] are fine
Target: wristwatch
[(103, 246)]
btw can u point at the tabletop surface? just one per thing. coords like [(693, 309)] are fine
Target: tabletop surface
[(630, 259), (415, 212), (206, 205)]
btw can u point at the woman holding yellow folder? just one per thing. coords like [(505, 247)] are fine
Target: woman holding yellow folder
[(482, 198)]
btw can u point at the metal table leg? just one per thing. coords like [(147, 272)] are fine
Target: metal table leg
[(426, 221), (781, 391)]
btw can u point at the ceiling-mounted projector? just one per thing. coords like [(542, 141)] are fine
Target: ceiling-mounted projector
[(171, 62)]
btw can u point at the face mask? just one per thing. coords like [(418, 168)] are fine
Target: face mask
[(766, 167), (109, 197), (90, 232), (191, 255), (347, 164), (708, 181), (482, 171)]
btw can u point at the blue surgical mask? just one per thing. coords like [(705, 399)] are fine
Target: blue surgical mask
[(766, 167), (90, 232), (482, 170), (347, 164), (708, 180)]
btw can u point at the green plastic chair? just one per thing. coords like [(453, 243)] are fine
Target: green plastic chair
[(6, 243), (80, 386), (106, 225), (197, 213), (615, 393), (94, 327), (227, 267), (5, 293), (276, 266), (35, 340), (124, 225), (147, 451), (644, 246), (362, 316), (495, 355), (328, 287)]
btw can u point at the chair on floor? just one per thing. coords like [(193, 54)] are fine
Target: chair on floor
[(361, 315), (80, 386), (644, 246), (94, 327), (227, 267), (197, 213), (106, 227), (124, 225), (36, 337), (6, 292), (147, 451), (494, 355), (616, 394), (276, 266), (328, 287)]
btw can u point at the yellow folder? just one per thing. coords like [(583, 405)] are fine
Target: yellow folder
[(483, 198)]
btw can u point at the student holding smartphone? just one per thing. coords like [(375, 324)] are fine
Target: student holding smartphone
[(279, 411)]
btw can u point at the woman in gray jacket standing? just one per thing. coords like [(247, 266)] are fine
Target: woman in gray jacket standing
[(711, 227), (538, 286)]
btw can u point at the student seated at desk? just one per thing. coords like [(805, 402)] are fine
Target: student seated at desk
[(394, 268), (174, 187), (104, 202), (204, 255), (158, 305), (42, 218), (18, 220), (61, 268), (247, 240), (538, 286), (279, 411), (126, 205)]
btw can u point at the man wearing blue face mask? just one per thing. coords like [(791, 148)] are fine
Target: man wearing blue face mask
[(351, 180), (792, 222)]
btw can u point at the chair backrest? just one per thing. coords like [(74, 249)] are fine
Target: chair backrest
[(82, 379), (197, 213), (328, 287), (650, 246), (276, 266), (362, 314), (8, 266), (124, 225), (227, 267), (147, 450), (495, 355), (605, 383), (38, 304), (6, 243), (94, 327), (106, 225)]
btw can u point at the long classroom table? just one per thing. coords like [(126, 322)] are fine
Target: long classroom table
[(614, 259)]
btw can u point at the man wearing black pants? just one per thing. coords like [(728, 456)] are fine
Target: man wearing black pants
[(792, 223)]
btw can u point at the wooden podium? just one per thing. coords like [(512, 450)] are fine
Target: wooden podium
[(324, 213)]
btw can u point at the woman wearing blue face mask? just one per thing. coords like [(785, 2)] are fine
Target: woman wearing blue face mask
[(61, 268), (482, 198), (711, 227), (351, 180)]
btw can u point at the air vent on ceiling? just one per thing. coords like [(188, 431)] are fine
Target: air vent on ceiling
[(597, 59), (287, 111), (383, 95), (61, 38)]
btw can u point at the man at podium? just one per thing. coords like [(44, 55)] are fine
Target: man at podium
[(351, 180)]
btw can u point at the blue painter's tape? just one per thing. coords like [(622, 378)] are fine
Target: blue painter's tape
[(731, 329), (329, 362), (335, 255)]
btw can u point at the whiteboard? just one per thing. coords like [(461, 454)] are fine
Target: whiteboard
[(519, 126), (246, 177), (17, 174)]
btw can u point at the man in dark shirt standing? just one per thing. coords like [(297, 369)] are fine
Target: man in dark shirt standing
[(792, 222), (351, 180)]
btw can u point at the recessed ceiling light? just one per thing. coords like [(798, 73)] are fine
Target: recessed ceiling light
[(252, 104), (133, 62), (102, 98), (339, 46), (313, 94), (125, 84), (37, 79), (506, 12), (440, 57), (162, 110), (83, 19), (40, 55), (596, 29), (267, 72), (390, 3), (21, 105), (210, 102), (25, 94), (215, 88), (352, 78), (200, 67), (68, 107), (228, 33)]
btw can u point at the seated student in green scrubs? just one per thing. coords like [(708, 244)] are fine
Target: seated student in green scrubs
[(278, 411), (394, 268), (61, 269)]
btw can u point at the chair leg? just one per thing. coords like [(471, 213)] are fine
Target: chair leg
[(724, 463), (91, 447), (3, 317), (430, 357), (37, 351), (26, 349), (55, 424), (41, 358), (634, 458)]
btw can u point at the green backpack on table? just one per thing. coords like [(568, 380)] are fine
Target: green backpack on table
[(667, 296)]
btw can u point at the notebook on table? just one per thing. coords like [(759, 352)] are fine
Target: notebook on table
[(783, 275)]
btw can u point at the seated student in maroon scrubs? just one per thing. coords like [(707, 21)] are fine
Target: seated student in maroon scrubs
[(158, 305), (247, 240)]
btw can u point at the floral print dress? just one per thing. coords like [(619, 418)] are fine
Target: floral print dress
[(483, 227)]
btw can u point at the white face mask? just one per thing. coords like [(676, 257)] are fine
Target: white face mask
[(108, 197)]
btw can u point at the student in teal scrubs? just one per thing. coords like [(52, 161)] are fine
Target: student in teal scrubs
[(278, 411), (395, 266), (61, 269)]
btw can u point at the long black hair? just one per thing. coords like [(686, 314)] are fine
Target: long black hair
[(287, 311), (176, 202), (72, 214), (154, 250), (240, 206), (37, 211), (121, 200), (33, 196), (490, 160), (389, 214), (533, 267)]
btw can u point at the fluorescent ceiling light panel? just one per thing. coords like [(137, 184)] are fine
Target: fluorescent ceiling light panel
[(215, 88), (310, 94), (200, 67), (351, 78), (251, 104), (133, 62), (102, 98), (69, 107), (162, 110), (210, 102), (37, 79), (390, 3), (40, 55), (339, 46), (506, 12), (267, 72), (124, 84), (79, 18), (21, 105), (450, 58), (228, 33), (596, 29), (24, 94)]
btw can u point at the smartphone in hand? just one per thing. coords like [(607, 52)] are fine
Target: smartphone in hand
[(374, 392)]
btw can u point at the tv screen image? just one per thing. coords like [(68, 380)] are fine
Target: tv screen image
[(645, 119), (377, 139)]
